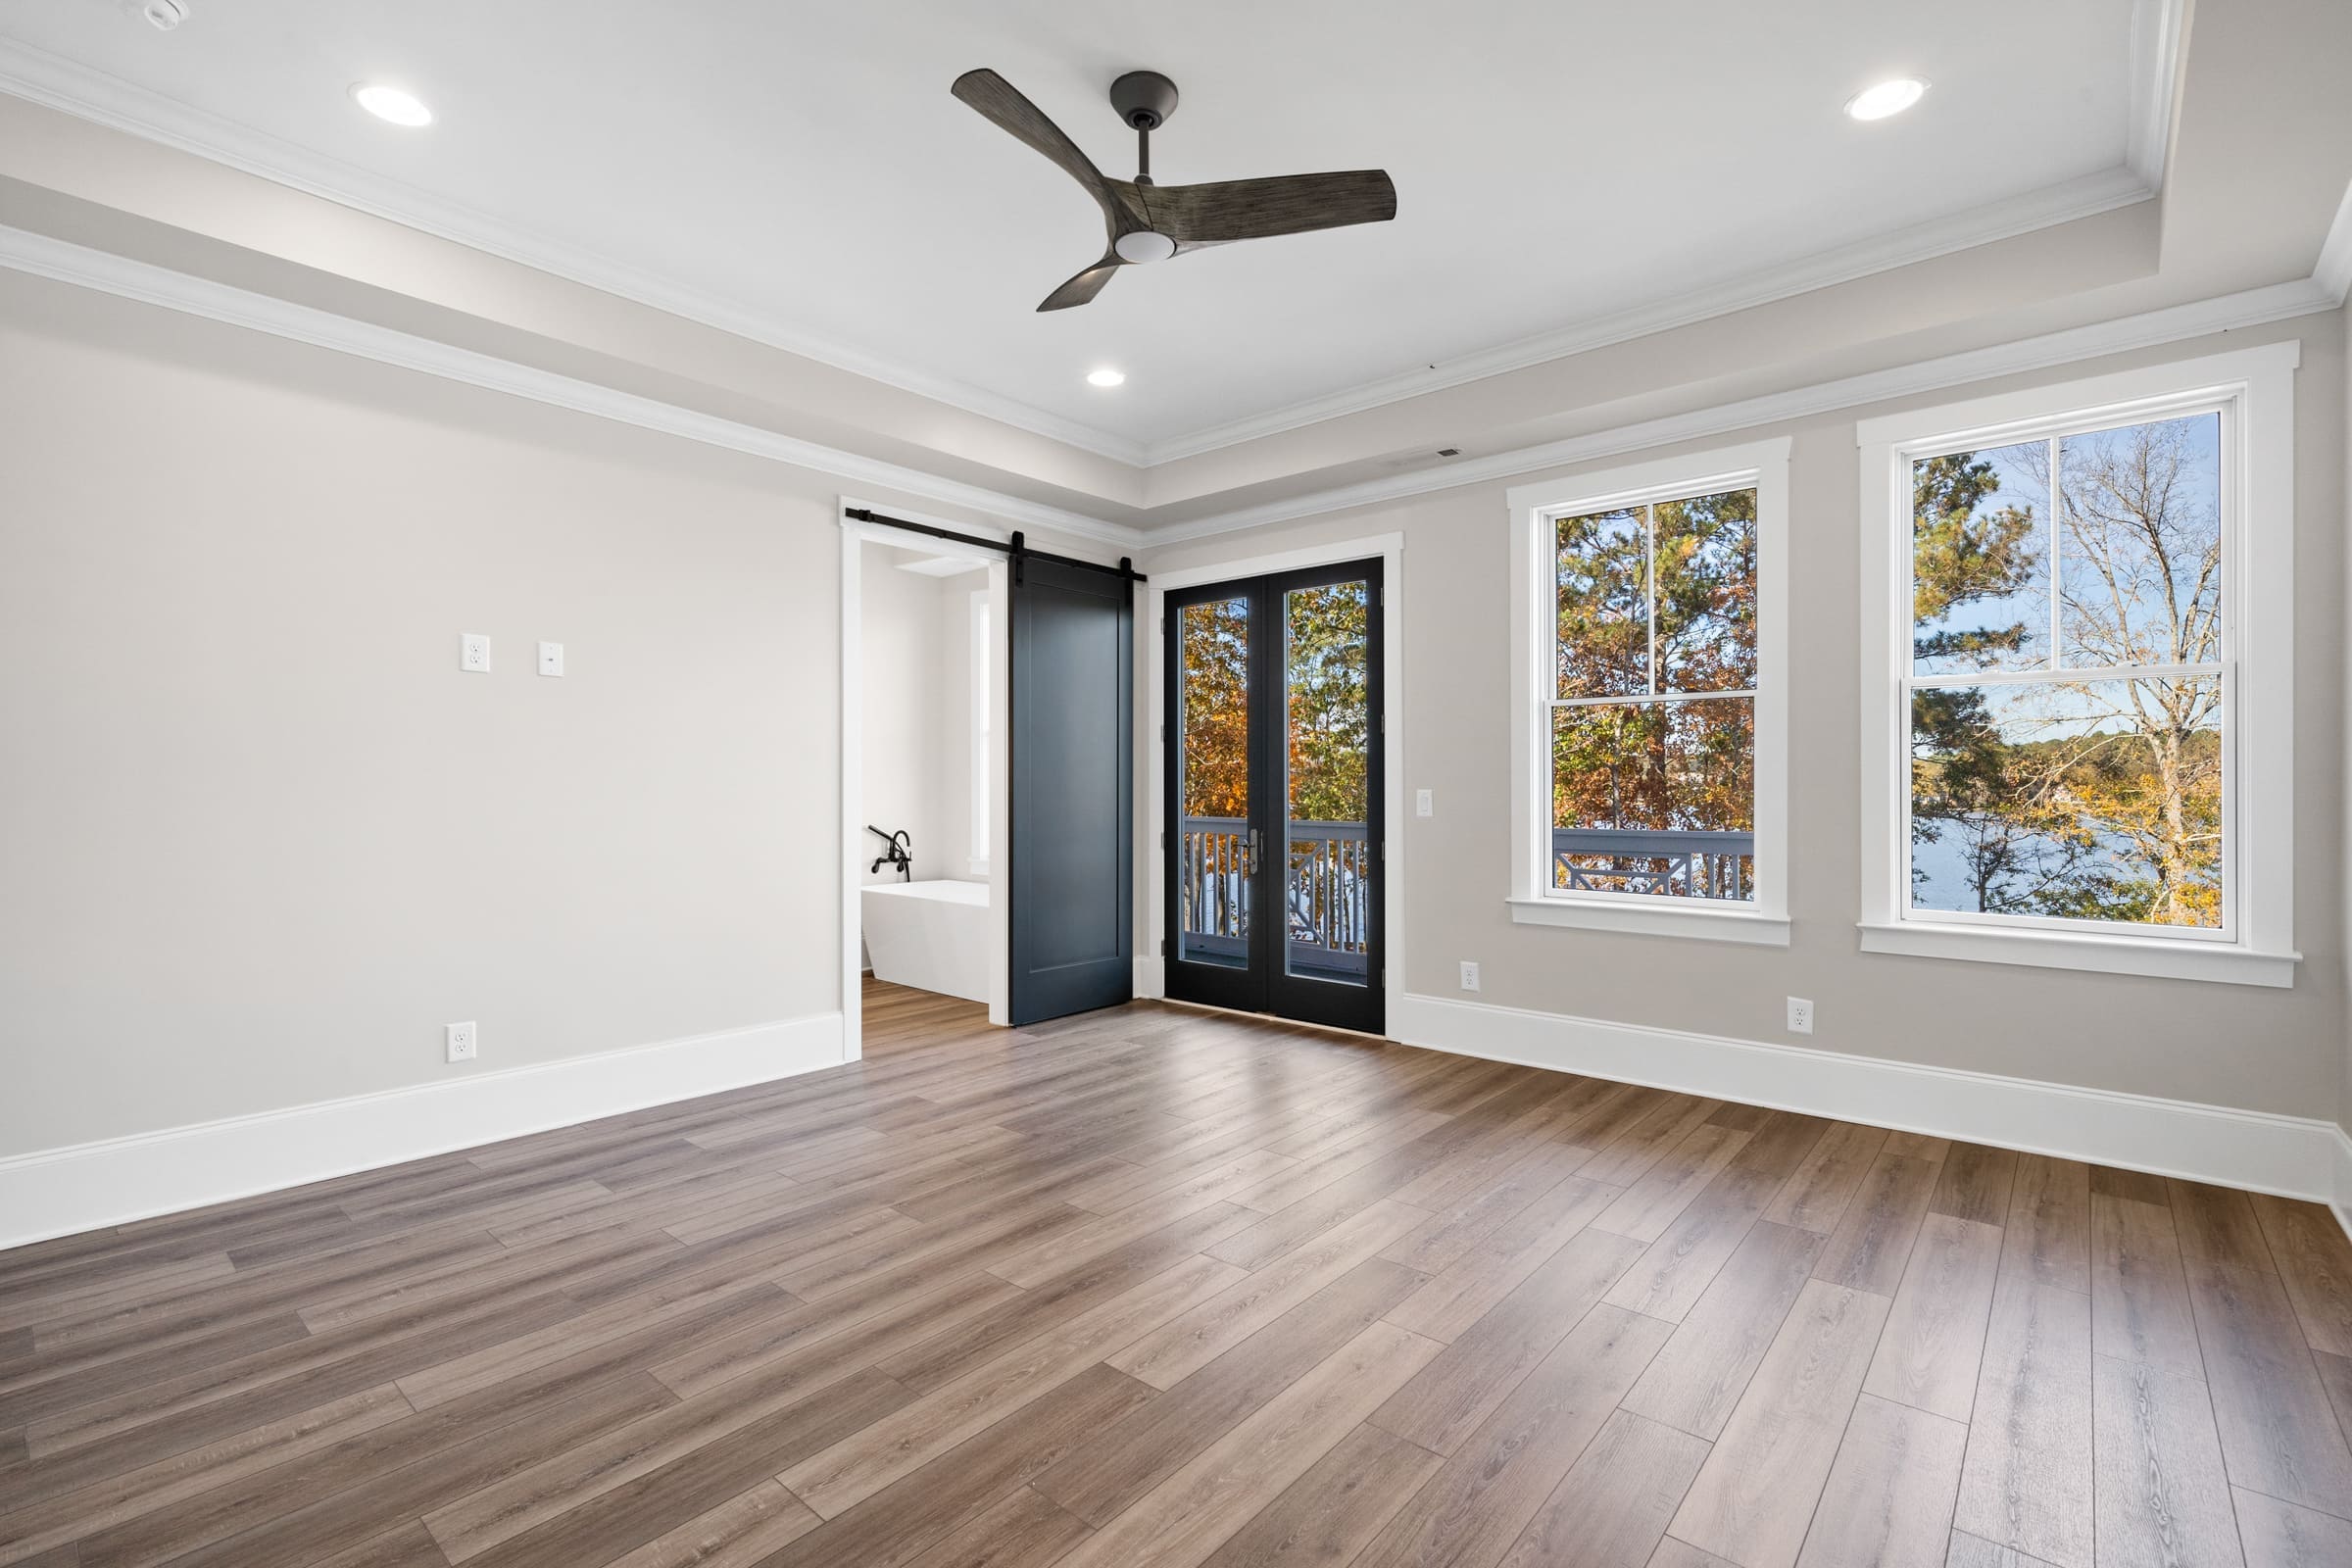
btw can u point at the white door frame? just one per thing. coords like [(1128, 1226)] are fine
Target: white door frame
[(855, 536), (1150, 968)]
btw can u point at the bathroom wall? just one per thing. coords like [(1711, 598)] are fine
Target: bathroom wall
[(918, 719)]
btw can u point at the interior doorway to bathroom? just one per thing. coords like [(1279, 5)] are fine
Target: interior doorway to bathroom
[(924, 757)]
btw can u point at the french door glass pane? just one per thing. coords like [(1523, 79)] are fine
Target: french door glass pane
[(1214, 725), (1327, 880), (1655, 798), (2090, 800)]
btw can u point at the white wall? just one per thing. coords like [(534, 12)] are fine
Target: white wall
[(905, 636), (261, 838), (2264, 1049)]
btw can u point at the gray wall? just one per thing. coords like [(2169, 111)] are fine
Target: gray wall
[(261, 838), (2267, 1049)]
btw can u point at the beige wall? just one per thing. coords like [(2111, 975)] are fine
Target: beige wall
[(2268, 1050), (261, 838)]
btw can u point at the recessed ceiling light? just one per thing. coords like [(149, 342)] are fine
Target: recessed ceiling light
[(395, 104), (1106, 376), (1886, 98)]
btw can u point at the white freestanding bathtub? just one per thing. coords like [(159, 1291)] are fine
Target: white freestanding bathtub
[(930, 935)]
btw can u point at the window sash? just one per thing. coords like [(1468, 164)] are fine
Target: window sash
[(2055, 430), (1548, 522)]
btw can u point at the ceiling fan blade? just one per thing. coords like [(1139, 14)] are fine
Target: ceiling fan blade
[(1261, 208), (1084, 286), (1001, 102)]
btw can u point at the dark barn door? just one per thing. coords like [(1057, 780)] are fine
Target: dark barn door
[(1071, 765)]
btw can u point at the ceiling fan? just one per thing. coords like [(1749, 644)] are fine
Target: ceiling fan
[(1148, 223)]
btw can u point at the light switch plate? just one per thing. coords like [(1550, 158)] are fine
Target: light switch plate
[(1424, 802), (551, 658), (473, 653)]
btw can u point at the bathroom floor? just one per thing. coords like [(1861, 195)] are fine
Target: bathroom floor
[(1165, 1287)]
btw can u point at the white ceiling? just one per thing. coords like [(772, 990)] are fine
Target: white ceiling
[(799, 170)]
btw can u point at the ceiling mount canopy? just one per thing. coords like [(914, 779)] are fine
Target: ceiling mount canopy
[(1151, 222)]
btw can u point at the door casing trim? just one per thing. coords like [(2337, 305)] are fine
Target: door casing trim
[(1150, 973), (855, 537)]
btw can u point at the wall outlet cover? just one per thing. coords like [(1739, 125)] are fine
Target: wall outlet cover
[(1800, 1015), (473, 653), (460, 1039), (551, 658), (1469, 975)]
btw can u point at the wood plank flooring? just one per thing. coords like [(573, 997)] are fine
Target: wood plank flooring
[(1162, 1289)]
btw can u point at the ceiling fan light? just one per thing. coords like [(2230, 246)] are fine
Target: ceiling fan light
[(1143, 245)]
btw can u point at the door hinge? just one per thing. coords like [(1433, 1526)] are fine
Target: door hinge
[(1163, 946)]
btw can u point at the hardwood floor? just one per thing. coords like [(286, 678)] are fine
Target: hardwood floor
[(1157, 1289)]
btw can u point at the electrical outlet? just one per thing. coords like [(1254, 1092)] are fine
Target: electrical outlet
[(1469, 975), (473, 653), (551, 658), (460, 1037), (1424, 802), (1800, 1015)]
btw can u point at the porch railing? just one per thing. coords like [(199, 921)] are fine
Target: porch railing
[(1688, 863), (1327, 907)]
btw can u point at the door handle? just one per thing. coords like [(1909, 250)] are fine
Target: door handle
[(1254, 847)]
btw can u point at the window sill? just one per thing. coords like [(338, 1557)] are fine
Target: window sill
[(2069, 949), (1703, 925)]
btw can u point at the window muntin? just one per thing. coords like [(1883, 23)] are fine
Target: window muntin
[(1654, 709), (2065, 691)]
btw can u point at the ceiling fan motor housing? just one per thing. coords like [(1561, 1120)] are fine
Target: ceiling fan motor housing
[(1145, 99)]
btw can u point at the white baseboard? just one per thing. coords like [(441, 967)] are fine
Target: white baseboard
[(2342, 1201), (1151, 979), (2292, 1156), (58, 1192)]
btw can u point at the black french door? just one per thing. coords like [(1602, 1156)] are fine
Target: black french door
[(1275, 833)]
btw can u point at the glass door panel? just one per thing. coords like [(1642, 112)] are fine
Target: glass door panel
[(1211, 732), (1326, 766)]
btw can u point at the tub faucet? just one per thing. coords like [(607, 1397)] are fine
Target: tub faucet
[(896, 851)]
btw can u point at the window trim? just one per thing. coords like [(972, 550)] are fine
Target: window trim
[(2254, 390), (1762, 465)]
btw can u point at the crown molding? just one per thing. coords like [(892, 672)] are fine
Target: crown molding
[(44, 257), (2085, 197), (2279, 302), (2157, 27), (75, 90), (2333, 270)]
